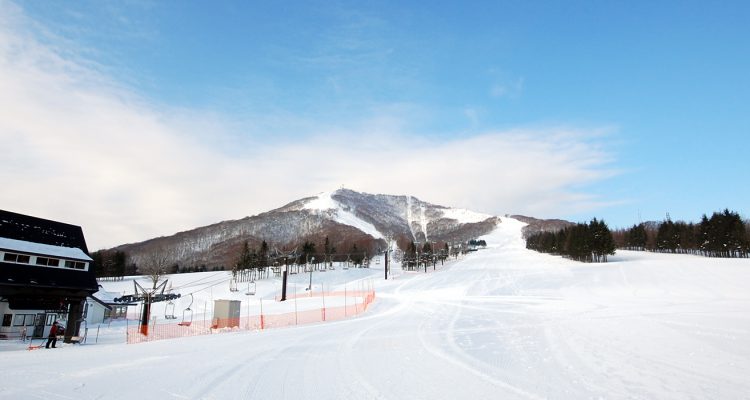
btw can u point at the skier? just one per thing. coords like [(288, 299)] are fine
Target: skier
[(52, 338)]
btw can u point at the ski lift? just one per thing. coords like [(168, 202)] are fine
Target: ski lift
[(169, 310), (187, 314), (251, 292), (169, 307), (233, 285)]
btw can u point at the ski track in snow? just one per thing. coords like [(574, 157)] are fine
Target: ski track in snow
[(502, 323)]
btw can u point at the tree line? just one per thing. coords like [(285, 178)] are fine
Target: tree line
[(115, 265), (586, 242), (724, 234)]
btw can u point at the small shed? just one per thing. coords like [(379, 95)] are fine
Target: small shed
[(102, 308), (226, 313)]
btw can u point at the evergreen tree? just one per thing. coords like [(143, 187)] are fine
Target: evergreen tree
[(308, 250), (667, 237), (327, 247), (637, 237), (581, 242), (245, 259), (263, 255), (602, 243), (412, 249)]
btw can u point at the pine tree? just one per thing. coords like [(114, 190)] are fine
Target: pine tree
[(637, 237), (246, 258), (263, 255), (308, 250)]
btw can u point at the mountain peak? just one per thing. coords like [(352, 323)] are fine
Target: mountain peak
[(344, 216)]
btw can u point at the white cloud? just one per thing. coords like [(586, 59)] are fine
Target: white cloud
[(80, 148), (508, 88)]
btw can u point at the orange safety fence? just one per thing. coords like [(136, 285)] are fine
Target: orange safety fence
[(361, 300)]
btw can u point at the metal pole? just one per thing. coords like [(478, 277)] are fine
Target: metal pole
[(146, 314), (309, 287), (283, 284), (386, 264)]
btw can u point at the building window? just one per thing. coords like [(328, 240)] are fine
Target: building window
[(23, 320), (51, 318), (16, 258), (44, 261), (75, 264), (50, 262)]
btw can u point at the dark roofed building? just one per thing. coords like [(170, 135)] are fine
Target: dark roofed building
[(45, 270)]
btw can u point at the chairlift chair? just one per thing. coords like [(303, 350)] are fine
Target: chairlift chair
[(251, 292), (187, 314), (233, 285), (169, 310)]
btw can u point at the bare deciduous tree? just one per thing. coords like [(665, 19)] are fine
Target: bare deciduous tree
[(155, 265)]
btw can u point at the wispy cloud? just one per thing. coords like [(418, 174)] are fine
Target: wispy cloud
[(81, 148), (509, 89)]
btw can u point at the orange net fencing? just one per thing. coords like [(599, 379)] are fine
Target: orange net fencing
[(354, 303)]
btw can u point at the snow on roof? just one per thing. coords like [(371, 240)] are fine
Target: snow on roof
[(105, 296), (43, 249), (464, 216)]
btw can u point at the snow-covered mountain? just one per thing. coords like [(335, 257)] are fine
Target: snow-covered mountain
[(345, 216)]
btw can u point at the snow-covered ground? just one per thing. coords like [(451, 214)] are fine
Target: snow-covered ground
[(501, 323)]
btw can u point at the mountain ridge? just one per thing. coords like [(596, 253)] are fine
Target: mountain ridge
[(348, 218)]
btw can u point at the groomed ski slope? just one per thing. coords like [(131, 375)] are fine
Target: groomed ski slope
[(501, 323)]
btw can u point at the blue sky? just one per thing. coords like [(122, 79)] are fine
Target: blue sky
[(619, 110)]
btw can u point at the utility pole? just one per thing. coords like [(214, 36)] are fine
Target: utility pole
[(386, 263), (283, 283), (285, 269)]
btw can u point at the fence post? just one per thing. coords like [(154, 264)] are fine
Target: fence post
[(262, 325)]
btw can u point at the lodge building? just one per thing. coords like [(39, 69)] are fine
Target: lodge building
[(45, 275)]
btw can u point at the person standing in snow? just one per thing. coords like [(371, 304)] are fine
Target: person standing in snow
[(52, 338)]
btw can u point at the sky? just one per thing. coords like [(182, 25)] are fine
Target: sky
[(137, 119)]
